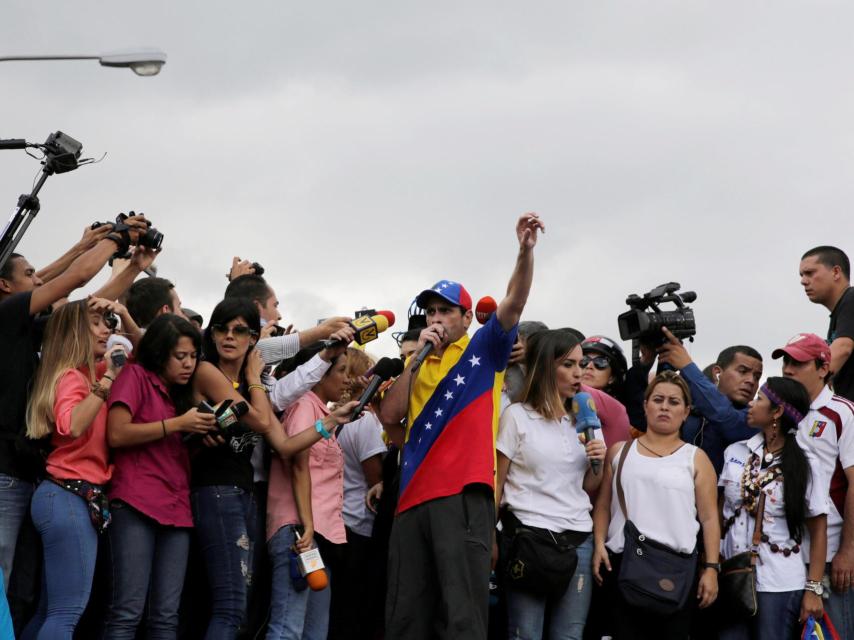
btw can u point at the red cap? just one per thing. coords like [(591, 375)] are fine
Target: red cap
[(803, 348)]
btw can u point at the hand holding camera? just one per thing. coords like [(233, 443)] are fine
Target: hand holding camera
[(196, 421), (131, 229)]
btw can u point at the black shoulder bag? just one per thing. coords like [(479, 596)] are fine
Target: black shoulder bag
[(738, 574), (539, 561), (652, 576)]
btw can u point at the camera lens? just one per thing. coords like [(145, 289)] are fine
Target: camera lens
[(152, 238)]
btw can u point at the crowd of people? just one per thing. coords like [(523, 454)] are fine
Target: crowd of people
[(165, 477)]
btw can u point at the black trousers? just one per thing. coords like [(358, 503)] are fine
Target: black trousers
[(439, 566)]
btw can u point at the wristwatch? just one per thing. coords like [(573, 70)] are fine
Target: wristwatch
[(816, 587), (712, 565)]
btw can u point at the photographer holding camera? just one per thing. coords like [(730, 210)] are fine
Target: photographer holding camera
[(25, 294)]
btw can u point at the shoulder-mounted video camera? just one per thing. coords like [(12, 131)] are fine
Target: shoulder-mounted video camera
[(643, 322)]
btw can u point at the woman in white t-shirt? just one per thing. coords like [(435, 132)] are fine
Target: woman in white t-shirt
[(544, 472), (670, 494), (774, 464)]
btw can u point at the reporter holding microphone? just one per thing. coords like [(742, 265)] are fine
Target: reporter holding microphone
[(544, 473)]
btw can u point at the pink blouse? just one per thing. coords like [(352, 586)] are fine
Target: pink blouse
[(326, 466)]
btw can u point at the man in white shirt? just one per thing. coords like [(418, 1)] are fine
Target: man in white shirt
[(828, 430)]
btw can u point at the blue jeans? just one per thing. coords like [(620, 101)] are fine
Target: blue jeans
[(70, 546), (148, 560), (15, 495), (777, 618), (840, 610), (225, 524), (526, 613), (294, 615)]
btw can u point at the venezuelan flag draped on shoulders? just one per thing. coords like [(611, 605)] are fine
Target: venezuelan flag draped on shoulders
[(453, 417)]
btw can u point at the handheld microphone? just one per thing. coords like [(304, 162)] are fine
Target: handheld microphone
[(386, 368), (422, 356), (311, 567), (367, 328), (486, 306), (586, 421)]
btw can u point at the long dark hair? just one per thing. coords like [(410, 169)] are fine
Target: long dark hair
[(225, 312), (542, 350), (793, 461), (155, 349)]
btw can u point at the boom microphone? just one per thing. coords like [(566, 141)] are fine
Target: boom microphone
[(367, 328), (385, 369), (586, 421), (486, 306)]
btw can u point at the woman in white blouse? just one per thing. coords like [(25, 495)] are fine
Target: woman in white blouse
[(544, 472), (773, 475)]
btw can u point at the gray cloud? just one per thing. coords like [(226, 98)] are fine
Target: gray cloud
[(361, 151)]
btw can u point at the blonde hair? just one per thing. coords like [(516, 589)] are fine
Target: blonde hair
[(67, 344), (358, 363), (544, 352)]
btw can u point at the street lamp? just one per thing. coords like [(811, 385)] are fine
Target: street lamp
[(143, 62)]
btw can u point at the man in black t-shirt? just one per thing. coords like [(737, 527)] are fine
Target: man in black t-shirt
[(825, 275), (26, 296)]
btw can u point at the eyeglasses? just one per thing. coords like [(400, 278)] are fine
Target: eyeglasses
[(238, 330), (600, 362)]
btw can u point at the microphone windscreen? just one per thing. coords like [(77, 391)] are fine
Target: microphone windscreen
[(317, 580), (388, 368), (382, 322), (115, 339), (486, 306), (585, 412), (388, 315)]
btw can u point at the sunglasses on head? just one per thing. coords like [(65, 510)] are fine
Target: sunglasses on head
[(239, 330), (599, 362)]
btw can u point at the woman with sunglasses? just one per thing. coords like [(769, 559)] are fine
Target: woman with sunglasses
[(604, 365), (670, 496), (544, 476), (770, 481), (69, 404), (222, 474), (151, 410)]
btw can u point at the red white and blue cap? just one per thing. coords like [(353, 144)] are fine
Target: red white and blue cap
[(453, 292)]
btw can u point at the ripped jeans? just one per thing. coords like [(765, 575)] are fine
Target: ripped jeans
[(224, 516), (527, 613)]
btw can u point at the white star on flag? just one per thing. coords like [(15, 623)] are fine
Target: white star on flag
[(449, 395), (428, 426), (444, 285), (459, 380), (475, 361), (438, 413)]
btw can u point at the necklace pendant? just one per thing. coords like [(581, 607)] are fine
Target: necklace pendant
[(769, 457)]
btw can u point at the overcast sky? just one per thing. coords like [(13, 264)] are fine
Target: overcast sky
[(363, 150)]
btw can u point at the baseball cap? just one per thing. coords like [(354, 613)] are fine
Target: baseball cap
[(453, 292), (804, 347)]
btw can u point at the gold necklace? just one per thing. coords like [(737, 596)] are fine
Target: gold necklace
[(656, 453)]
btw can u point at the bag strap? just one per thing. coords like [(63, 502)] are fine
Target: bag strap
[(620, 494)]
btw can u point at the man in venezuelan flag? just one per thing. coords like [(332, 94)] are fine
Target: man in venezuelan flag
[(441, 541)]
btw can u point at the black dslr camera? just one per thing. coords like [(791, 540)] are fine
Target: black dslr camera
[(643, 322), (151, 238)]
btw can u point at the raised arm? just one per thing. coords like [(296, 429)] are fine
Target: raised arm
[(511, 307)]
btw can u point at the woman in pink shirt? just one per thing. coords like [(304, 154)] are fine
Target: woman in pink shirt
[(306, 495), (69, 508), (152, 408)]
